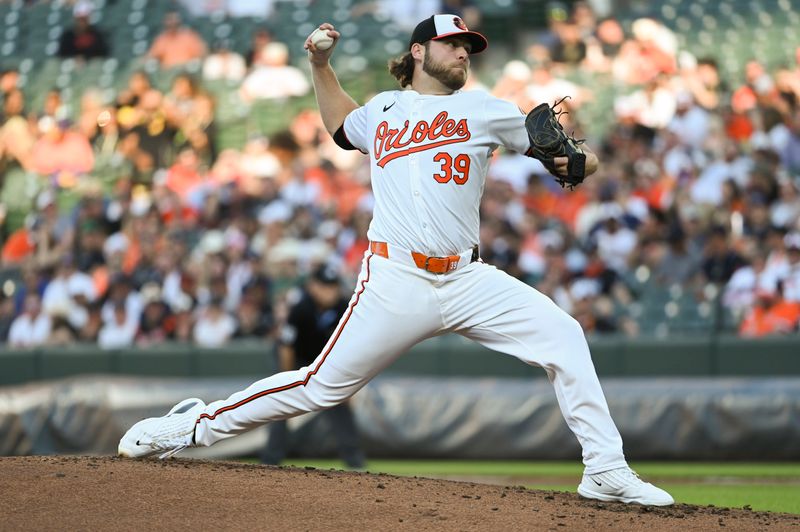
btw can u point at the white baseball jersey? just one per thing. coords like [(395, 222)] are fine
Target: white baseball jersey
[(429, 157)]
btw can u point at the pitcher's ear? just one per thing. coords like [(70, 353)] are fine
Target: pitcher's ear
[(418, 51)]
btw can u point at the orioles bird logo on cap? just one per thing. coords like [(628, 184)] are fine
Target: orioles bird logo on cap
[(458, 23)]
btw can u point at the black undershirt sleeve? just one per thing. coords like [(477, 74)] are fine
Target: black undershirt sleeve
[(341, 139)]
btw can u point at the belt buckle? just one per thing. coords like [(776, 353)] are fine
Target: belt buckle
[(449, 267), (428, 266), (427, 263)]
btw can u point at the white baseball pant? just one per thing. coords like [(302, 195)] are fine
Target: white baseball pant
[(395, 305)]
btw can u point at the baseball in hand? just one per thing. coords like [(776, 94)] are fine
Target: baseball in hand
[(321, 39)]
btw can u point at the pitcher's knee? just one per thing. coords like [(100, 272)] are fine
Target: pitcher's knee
[(323, 396), (567, 341), (565, 327)]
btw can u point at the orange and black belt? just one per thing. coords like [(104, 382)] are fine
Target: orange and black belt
[(431, 264)]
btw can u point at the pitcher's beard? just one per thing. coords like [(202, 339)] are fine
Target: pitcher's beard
[(450, 77)]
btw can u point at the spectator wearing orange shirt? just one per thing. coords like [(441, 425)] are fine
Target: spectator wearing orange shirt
[(62, 152), (539, 198), (757, 82), (9, 79), (651, 52), (16, 135), (771, 314), (176, 45), (184, 176), (18, 247)]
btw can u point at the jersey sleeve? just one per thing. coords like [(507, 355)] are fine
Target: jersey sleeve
[(506, 124), (355, 128)]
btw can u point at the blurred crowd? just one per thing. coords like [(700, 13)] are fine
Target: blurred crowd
[(134, 228)]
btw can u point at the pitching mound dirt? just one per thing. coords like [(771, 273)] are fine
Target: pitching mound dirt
[(102, 493)]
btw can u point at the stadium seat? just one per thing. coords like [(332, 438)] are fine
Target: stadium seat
[(17, 194)]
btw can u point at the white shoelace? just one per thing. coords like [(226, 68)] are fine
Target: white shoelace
[(632, 474), (172, 436), (170, 446), (620, 478), (174, 450)]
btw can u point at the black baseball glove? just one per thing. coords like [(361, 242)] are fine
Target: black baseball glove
[(548, 141)]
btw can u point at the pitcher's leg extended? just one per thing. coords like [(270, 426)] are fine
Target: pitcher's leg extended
[(280, 396), (516, 319), (389, 312), (392, 309)]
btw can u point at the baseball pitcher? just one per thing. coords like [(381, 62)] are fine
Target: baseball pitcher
[(429, 146)]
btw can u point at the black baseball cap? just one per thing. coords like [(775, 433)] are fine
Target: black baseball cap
[(326, 274), (441, 26)]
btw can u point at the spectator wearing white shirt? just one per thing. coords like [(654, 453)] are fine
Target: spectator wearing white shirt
[(615, 241), (249, 8), (791, 283), (691, 122), (120, 290), (651, 107), (68, 292), (740, 291), (224, 64), (404, 15), (215, 327), (707, 189), (32, 327), (544, 88), (513, 84), (120, 331), (786, 210), (515, 169), (790, 155), (233, 8), (240, 270), (273, 78), (777, 257)]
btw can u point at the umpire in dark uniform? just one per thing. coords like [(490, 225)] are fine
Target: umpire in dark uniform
[(311, 322)]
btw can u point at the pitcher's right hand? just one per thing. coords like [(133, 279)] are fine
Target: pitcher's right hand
[(320, 57)]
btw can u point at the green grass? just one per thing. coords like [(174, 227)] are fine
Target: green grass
[(763, 486), (522, 468), (771, 497)]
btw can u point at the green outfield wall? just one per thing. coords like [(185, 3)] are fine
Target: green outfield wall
[(448, 355)]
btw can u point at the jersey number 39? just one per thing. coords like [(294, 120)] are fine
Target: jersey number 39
[(457, 170)]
